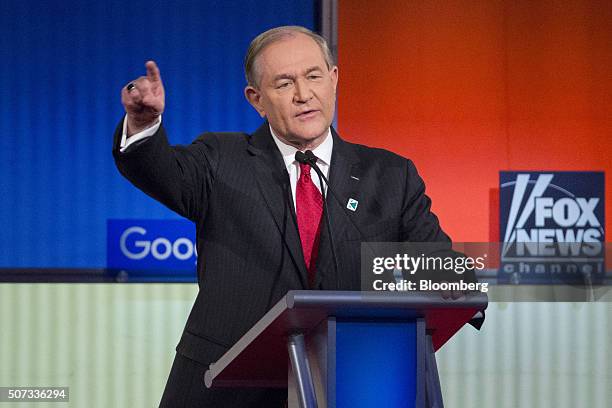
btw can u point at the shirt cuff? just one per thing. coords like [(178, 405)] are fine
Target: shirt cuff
[(148, 132)]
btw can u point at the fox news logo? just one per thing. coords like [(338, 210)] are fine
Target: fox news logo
[(552, 225), (151, 245)]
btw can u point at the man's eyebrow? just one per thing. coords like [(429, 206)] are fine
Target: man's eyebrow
[(283, 76), (311, 69)]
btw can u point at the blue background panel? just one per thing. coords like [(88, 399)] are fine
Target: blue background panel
[(361, 353), (62, 66)]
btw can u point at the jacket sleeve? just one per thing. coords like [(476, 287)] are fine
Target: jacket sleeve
[(180, 177)]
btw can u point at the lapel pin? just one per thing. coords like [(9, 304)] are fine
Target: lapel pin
[(352, 204)]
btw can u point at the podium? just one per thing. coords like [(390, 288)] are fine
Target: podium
[(348, 349)]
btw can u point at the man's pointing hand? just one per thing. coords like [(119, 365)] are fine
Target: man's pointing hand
[(143, 100)]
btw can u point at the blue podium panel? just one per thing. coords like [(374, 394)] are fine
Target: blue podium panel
[(375, 364)]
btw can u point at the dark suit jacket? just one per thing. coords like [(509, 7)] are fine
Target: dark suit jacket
[(236, 189)]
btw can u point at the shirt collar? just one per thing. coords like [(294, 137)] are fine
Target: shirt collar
[(323, 151)]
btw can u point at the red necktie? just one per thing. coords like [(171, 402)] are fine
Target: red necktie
[(309, 207)]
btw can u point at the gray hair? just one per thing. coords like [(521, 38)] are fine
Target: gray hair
[(274, 35)]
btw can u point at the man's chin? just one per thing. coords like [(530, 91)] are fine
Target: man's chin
[(310, 139), (311, 134)]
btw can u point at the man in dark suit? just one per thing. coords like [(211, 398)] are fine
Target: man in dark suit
[(258, 212)]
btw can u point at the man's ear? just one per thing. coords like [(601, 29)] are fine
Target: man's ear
[(254, 97), (334, 76)]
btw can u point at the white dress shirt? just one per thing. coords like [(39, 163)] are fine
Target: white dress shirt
[(125, 141)]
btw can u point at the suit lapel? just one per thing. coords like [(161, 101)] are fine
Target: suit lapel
[(273, 182), (343, 180)]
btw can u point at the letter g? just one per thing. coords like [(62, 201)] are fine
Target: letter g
[(146, 245)]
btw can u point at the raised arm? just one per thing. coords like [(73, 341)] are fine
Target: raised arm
[(179, 177)]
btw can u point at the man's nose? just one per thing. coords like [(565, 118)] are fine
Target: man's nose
[(303, 93)]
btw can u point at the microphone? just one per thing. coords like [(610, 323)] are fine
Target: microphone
[(310, 159), (301, 157), (310, 156)]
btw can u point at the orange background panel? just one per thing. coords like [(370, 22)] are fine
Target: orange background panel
[(468, 88)]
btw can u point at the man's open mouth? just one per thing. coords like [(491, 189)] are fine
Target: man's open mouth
[(307, 113)]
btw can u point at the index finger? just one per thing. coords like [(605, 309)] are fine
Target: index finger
[(152, 71)]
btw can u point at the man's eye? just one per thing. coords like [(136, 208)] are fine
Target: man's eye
[(283, 85), (314, 77)]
